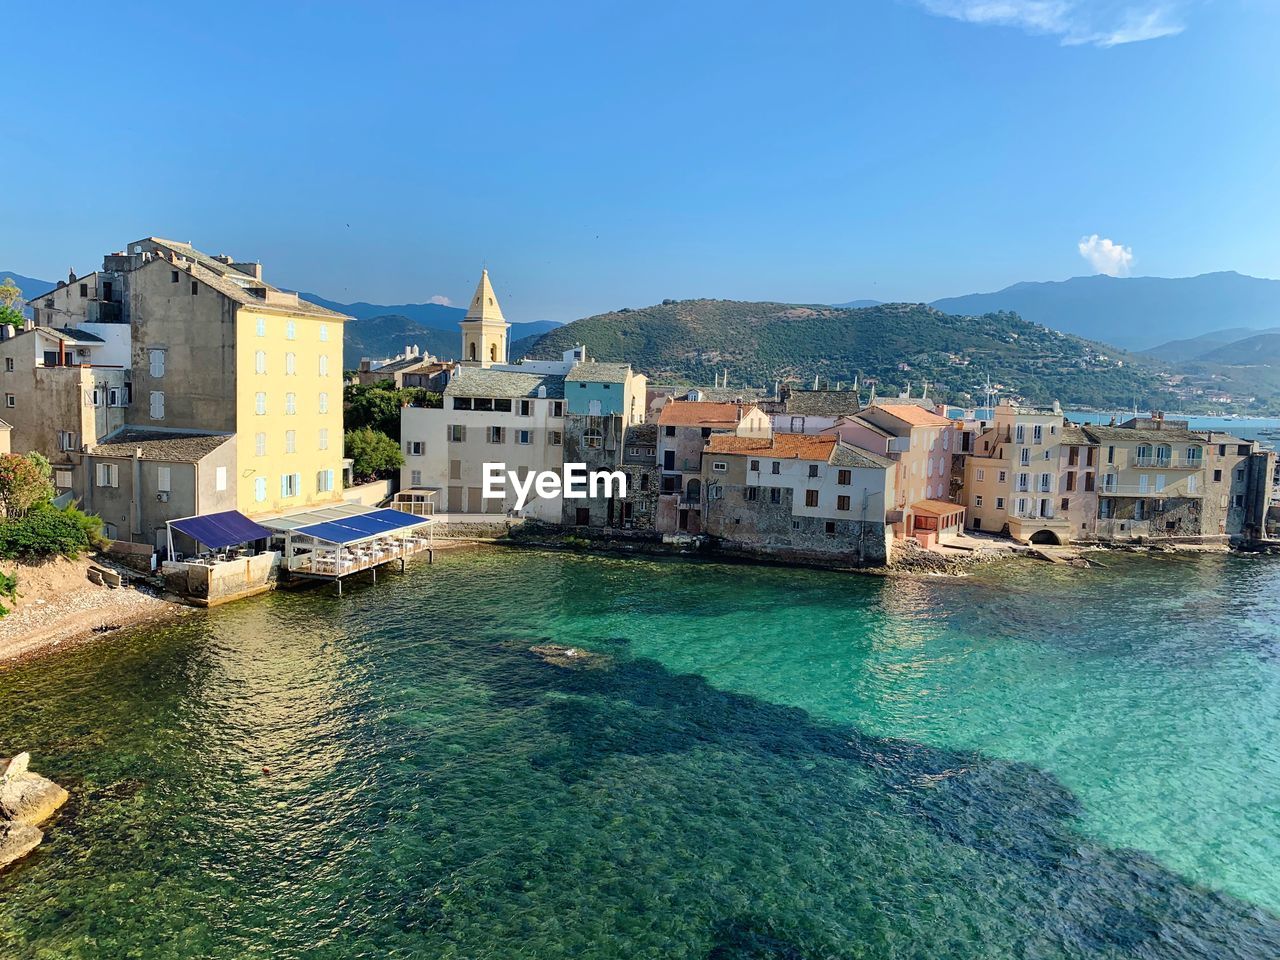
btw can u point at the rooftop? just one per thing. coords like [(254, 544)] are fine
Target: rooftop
[(823, 403), (913, 414), (824, 448), (593, 372), (847, 455), (1108, 434), (174, 446), (237, 285), (641, 433), (72, 335), (937, 508), (700, 413), (781, 446), (408, 363), (479, 382), (1073, 434)]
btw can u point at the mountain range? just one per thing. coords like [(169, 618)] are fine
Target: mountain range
[(898, 345), (378, 330), (1221, 335), (1136, 313)]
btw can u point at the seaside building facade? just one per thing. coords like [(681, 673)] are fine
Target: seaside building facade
[(684, 427), (802, 496), (1158, 478), (1013, 479), (140, 479), (640, 464), (602, 401), (167, 339), (489, 416), (920, 443)]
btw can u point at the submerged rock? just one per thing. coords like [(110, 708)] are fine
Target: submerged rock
[(16, 841), (26, 801), (574, 658)]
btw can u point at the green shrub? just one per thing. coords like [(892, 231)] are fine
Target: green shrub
[(47, 531), (8, 588)]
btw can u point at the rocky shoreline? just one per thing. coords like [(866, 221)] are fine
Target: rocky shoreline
[(59, 606), (27, 800)]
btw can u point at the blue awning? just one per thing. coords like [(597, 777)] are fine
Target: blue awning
[(217, 530), (365, 526)]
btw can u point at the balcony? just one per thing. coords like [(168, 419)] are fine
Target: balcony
[(1138, 490), (1169, 463)]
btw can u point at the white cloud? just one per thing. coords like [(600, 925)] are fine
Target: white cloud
[(441, 299), (1100, 23), (1105, 256)]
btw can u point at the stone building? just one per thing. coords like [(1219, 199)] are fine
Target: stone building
[(684, 426), (640, 464), (410, 369), (167, 339), (798, 496), (1159, 479), (814, 411), (64, 388), (139, 479)]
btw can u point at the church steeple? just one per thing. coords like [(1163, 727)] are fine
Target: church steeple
[(484, 328)]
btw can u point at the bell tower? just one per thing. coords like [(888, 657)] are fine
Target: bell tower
[(484, 328)]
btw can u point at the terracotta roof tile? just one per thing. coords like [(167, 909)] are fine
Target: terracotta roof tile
[(937, 508), (700, 413), (915, 415), (783, 446)]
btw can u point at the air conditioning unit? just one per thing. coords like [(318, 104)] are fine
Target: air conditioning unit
[(163, 496)]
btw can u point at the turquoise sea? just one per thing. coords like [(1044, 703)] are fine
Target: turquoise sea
[(760, 763)]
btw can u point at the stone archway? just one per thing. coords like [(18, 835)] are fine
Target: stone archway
[(1046, 538)]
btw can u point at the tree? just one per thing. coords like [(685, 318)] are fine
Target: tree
[(24, 483), (375, 407), (373, 455), (10, 297)]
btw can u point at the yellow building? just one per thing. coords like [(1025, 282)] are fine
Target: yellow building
[(217, 348)]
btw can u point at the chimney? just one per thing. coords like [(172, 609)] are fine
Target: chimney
[(248, 269)]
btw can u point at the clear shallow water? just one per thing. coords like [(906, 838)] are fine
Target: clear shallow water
[(777, 764)]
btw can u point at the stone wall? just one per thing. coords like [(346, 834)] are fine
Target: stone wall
[(601, 511), (763, 527)]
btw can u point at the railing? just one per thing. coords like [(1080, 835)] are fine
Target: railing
[(415, 508), (1137, 490), (1170, 463)]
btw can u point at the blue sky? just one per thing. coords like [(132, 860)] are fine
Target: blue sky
[(606, 154)]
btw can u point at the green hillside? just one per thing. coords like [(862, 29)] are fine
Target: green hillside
[(692, 340)]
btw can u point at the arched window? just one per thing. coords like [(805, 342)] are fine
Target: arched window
[(1144, 453), (592, 439), (1164, 455), (693, 493), (472, 348), (493, 352)]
